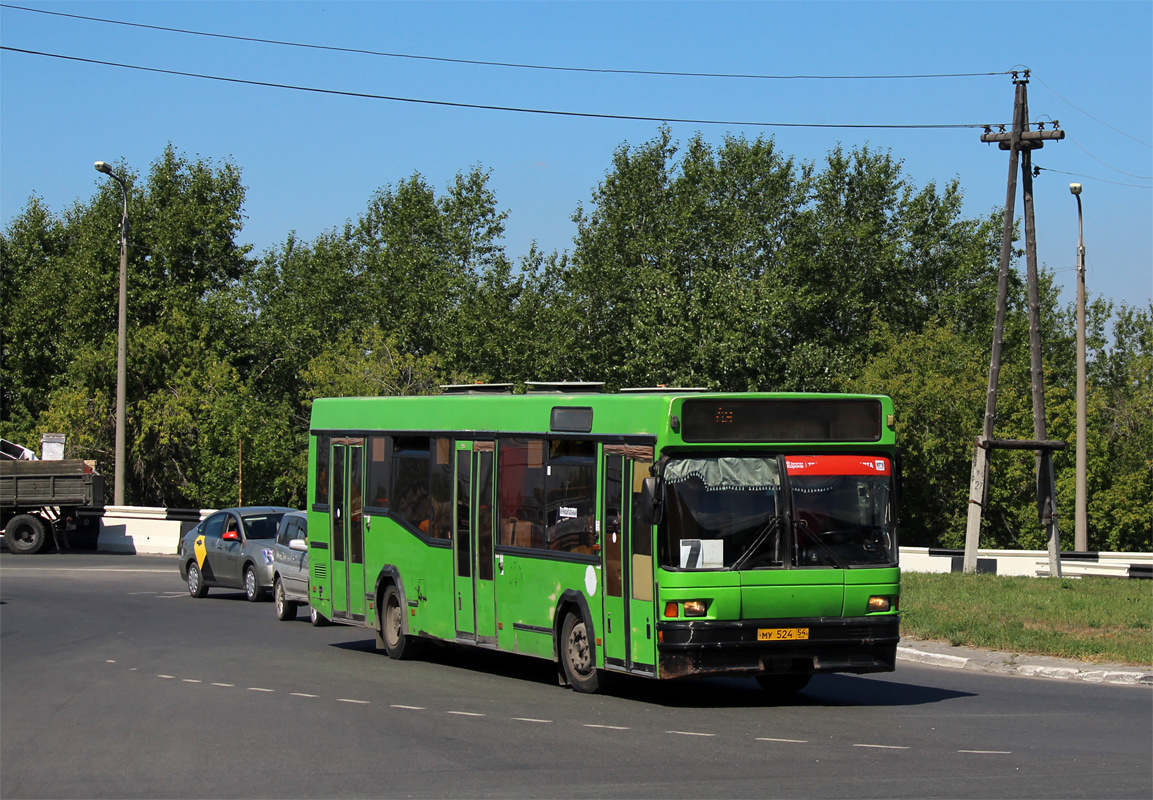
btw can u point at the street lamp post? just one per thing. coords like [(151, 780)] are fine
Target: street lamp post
[(121, 338), (1081, 524)]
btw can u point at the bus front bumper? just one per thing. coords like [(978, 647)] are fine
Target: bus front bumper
[(831, 644)]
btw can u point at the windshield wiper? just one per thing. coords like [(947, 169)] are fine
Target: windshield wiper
[(773, 524), (800, 523)]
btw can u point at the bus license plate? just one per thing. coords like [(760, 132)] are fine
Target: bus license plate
[(781, 634)]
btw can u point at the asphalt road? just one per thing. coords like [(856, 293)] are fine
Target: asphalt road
[(115, 683)]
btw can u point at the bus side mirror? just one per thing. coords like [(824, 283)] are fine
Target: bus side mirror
[(652, 501)]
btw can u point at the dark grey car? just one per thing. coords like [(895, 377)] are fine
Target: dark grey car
[(232, 549), (290, 565)]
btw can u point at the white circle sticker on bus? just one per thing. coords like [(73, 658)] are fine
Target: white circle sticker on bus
[(590, 580)]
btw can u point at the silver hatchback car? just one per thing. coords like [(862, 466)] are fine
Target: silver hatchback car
[(290, 565), (232, 549)]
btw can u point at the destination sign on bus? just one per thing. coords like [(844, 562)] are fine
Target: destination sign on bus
[(781, 420)]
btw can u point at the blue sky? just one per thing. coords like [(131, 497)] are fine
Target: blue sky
[(312, 161)]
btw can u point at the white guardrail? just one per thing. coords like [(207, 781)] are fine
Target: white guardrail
[(157, 531)]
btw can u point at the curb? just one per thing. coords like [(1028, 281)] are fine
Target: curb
[(1009, 664)]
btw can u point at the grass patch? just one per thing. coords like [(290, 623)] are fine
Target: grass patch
[(1092, 619)]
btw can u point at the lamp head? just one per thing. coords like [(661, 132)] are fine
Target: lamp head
[(102, 167), (1075, 188)]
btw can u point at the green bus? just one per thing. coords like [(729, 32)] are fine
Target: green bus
[(663, 533)]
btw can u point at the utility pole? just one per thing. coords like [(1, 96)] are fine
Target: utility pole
[(1020, 142), (1081, 512)]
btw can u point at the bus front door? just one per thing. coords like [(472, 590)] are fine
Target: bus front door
[(627, 569), (463, 545), (482, 529), (347, 542)]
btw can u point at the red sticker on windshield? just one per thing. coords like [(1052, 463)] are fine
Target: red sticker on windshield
[(837, 465)]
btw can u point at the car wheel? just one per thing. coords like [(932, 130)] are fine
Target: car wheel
[(398, 645), (196, 585), (26, 534), (317, 619), (285, 609), (252, 589), (577, 657), (783, 685)]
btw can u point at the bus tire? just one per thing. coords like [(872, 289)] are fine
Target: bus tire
[(26, 534), (317, 619), (783, 685), (577, 655), (397, 644)]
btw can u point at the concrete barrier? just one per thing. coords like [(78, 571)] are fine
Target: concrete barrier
[(1032, 563), (139, 529)]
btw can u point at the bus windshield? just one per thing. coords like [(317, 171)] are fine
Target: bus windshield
[(728, 513)]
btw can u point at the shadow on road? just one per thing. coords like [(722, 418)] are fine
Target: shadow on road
[(825, 691)]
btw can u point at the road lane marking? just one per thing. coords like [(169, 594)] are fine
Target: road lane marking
[(347, 700), (882, 746), (988, 752), (689, 733), (225, 685), (110, 661), (409, 708), (607, 727), (192, 680), (18, 570), (167, 677), (465, 713), (302, 694), (530, 719), (786, 741), (259, 689)]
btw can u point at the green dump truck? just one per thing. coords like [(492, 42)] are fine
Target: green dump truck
[(40, 501)]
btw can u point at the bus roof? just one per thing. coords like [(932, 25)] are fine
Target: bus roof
[(651, 413)]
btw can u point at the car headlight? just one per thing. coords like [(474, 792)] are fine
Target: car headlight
[(267, 555)]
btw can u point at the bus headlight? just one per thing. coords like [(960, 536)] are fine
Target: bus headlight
[(695, 608), (878, 603)]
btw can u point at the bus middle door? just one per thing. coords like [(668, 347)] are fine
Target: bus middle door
[(482, 530), (464, 546)]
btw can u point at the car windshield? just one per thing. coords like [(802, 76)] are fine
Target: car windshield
[(262, 526), (729, 512)]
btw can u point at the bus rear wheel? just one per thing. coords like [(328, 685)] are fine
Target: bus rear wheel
[(577, 657), (398, 645)]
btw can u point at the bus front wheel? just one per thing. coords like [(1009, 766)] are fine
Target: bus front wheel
[(396, 643), (577, 656)]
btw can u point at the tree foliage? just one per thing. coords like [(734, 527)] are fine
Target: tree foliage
[(732, 266)]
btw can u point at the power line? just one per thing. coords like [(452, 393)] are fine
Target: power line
[(590, 115), (1089, 177), (1090, 116), (498, 63)]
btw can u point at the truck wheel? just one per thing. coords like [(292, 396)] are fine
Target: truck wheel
[(26, 534)]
